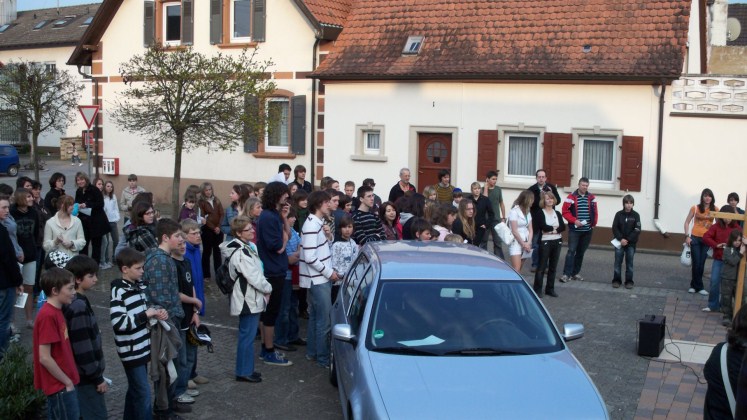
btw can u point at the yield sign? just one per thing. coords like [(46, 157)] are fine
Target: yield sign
[(89, 113)]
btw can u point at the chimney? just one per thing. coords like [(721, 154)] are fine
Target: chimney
[(8, 11)]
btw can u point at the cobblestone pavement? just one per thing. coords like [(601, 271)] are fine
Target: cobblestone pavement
[(632, 386)]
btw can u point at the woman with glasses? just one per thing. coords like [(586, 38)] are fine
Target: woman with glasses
[(250, 291), (140, 233)]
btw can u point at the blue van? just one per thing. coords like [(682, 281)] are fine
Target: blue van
[(9, 160)]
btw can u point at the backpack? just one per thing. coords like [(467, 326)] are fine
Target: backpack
[(223, 277)]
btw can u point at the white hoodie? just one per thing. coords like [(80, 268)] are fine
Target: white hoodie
[(249, 290)]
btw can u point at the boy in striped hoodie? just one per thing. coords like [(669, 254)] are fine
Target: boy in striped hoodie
[(129, 317)]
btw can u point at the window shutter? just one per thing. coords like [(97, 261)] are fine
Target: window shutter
[(298, 124), (187, 22), (258, 21), (631, 163), (251, 107), (487, 152), (557, 156), (149, 23), (216, 22)]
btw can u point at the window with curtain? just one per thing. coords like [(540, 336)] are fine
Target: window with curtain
[(598, 160), (172, 28), (242, 10), (372, 143), (279, 135), (522, 155)]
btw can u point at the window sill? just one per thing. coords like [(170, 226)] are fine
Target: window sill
[(600, 191), (369, 158), (237, 45), (274, 155)]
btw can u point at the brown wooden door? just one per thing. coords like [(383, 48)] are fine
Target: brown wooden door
[(434, 154)]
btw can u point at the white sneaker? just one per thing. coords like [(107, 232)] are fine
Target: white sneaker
[(706, 309), (192, 392), (185, 399), (703, 292), (691, 290), (191, 384)]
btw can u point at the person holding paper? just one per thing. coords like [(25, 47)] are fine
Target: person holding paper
[(550, 227), (626, 227), (520, 221)]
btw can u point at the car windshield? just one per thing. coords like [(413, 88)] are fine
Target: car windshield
[(459, 318)]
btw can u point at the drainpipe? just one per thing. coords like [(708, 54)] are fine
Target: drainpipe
[(313, 112), (659, 146)]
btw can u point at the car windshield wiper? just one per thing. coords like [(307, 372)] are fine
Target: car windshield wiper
[(406, 350), (484, 351)]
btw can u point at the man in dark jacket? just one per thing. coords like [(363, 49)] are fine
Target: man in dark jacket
[(10, 278), (581, 213), (535, 210), (626, 227)]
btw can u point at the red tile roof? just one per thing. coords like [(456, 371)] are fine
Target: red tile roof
[(512, 39), (329, 12)]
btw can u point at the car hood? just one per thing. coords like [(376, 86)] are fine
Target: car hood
[(529, 387)]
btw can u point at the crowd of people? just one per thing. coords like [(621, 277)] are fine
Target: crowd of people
[(287, 247)]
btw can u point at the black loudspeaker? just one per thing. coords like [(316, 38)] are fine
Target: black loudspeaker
[(651, 335)]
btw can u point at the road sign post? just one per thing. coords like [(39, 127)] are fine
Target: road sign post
[(89, 113)]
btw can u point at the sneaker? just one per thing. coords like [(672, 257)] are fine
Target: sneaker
[(564, 279), (80, 164), (200, 380), (577, 277), (298, 342), (323, 366), (191, 384), (181, 408), (192, 392), (310, 358), (276, 359), (691, 290), (286, 347), (706, 309), (703, 292), (15, 338), (616, 284), (629, 284), (185, 399), (253, 378)]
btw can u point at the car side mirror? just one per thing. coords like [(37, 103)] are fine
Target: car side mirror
[(343, 332), (573, 331)]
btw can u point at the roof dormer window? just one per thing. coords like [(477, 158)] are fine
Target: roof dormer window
[(413, 45), (59, 23), (4, 28), (88, 21), (40, 25)]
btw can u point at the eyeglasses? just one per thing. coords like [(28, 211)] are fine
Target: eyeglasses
[(149, 213)]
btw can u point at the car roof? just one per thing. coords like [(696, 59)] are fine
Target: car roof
[(433, 260)]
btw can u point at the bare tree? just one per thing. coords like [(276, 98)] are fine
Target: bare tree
[(182, 100), (38, 99)]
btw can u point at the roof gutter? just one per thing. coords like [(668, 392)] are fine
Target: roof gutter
[(496, 77), (314, 91), (659, 148)]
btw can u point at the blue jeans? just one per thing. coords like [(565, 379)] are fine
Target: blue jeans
[(699, 254), (245, 345), (138, 405), (187, 358), (7, 300), (91, 404), (63, 406), (627, 252), (320, 305), (578, 242), (283, 323), (714, 293)]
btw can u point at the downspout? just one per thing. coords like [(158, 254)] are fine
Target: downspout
[(314, 83), (659, 147)]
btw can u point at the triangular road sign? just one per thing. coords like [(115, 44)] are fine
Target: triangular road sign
[(89, 113)]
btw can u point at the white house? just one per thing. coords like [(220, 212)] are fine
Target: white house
[(48, 37), (290, 33), (580, 88)]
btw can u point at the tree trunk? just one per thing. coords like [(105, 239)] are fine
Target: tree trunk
[(34, 157), (177, 176)]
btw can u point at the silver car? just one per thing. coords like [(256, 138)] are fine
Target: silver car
[(437, 330)]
